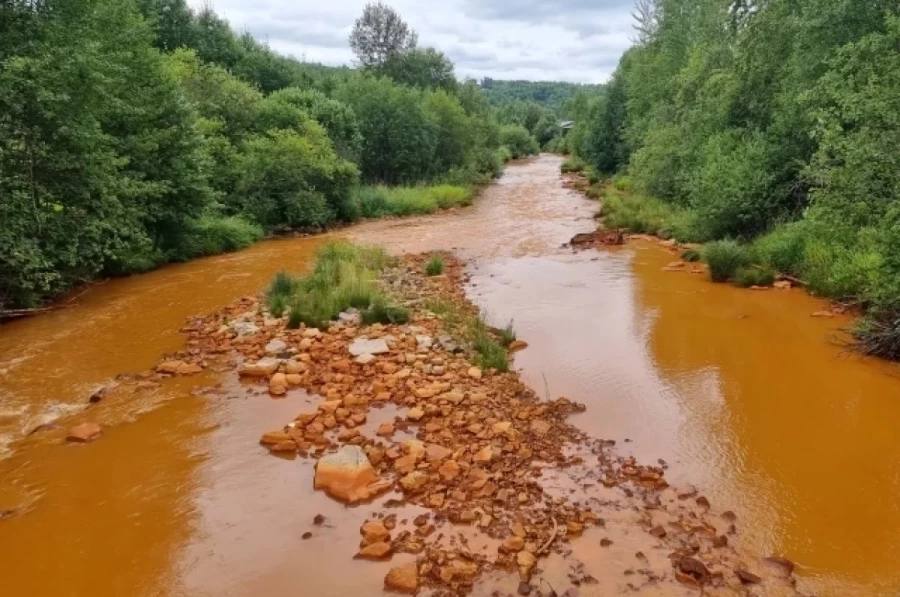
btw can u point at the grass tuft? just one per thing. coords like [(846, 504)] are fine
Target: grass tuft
[(754, 275), (725, 258), (435, 266)]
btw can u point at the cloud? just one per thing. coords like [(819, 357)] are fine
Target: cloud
[(570, 40)]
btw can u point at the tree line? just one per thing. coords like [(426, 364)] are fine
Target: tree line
[(137, 132), (771, 123)]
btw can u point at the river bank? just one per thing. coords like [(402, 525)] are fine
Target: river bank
[(667, 364)]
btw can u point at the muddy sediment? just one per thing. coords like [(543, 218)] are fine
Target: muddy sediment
[(470, 448)]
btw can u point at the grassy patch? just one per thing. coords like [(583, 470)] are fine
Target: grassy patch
[(435, 266), (572, 164), (754, 275), (691, 255), (646, 215), (344, 276), (725, 258), (508, 334), (491, 354), (379, 200), (489, 345)]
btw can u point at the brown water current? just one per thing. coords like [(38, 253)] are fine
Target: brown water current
[(742, 393)]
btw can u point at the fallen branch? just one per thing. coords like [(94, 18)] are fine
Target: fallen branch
[(550, 540), (15, 313)]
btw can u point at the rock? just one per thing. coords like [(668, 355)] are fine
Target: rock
[(449, 470), (274, 437), (174, 367), (365, 359), (385, 430), (517, 345), (746, 577), (525, 560), (374, 531), (350, 317), (375, 551), (275, 347), (474, 372), (786, 566), (415, 414), (362, 346), (658, 531), (414, 481), (826, 314), (484, 455), (404, 579), (436, 452), (312, 333), (278, 384), (540, 427), (512, 544), (693, 568), (347, 475), (423, 342), (84, 432), (244, 328), (261, 368), (782, 284)]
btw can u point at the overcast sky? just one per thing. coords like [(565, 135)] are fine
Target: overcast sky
[(539, 40)]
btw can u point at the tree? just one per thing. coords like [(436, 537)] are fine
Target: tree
[(380, 34), (425, 68)]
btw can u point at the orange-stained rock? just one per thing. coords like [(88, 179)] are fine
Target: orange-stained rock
[(178, 368), (374, 531), (512, 544), (274, 437), (347, 475), (449, 470), (414, 481), (84, 432), (517, 345), (415, 413), (474, 373), (404, 579), (261, 368), (375, 551), (278, 384), (435, 452), (385, 429)]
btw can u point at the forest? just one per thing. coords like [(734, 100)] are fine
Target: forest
[(138, 133), (764, 128)]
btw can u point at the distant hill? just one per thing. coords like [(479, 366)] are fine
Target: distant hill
[(552, 94)]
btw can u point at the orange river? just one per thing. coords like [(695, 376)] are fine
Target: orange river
[(743, 393)]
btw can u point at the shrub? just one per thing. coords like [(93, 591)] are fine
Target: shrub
[(379, 201), (878, 333), (691, 255), (435, 266), (724, 258), (648, 215), (783, 248), (490, 353), (279, 293), (447, 196), (508, 334), (573, 164), (518, 140), (754, 275), (344, 276)]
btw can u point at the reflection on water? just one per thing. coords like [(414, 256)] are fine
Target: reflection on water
[(740, 392)]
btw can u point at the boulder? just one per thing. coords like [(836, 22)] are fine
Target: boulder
[(174, 367), (404, 579), (261, 368), (362, 346), (276, 346), (84, 432), (348, 476)]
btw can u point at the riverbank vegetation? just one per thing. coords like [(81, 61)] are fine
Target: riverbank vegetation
[(769, 125), (344, 276), (137, 132)]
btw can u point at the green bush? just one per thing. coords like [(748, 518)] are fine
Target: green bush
[(754, 275), (783, 248), (647, 215), (344, 276), (572, 164), (518, 141), (490, 353), (691, 255), (435, 266), (725, 258), (212, 234), (379, 201)]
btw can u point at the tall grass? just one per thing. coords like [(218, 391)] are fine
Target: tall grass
[(344, 276), (647, 215), (379, 200), (725, 258)]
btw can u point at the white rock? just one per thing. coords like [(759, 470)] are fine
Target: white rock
[(365, 358), (424, 342), (244, 328), (362, 346), (276, 346)]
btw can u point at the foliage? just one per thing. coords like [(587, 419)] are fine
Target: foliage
[(344, 276), (424, 68), (754, 275), (292, 179), (435, 266), (572, 164), (491, 354), (379, 201), (725, 258), (380, 34), (552, 95), (518, 141), (647, 215)]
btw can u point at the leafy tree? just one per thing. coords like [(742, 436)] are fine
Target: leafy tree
[(338, 118), (399, 140), (518, 140), (425, 68), (380, 34)]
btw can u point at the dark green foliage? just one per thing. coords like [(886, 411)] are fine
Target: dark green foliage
[(424, 68), (380, 311), (491, 354), (549, 94), (691, 256), (435, 266), (725, 258), (572, 164), (754, 275), (518, 141)]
